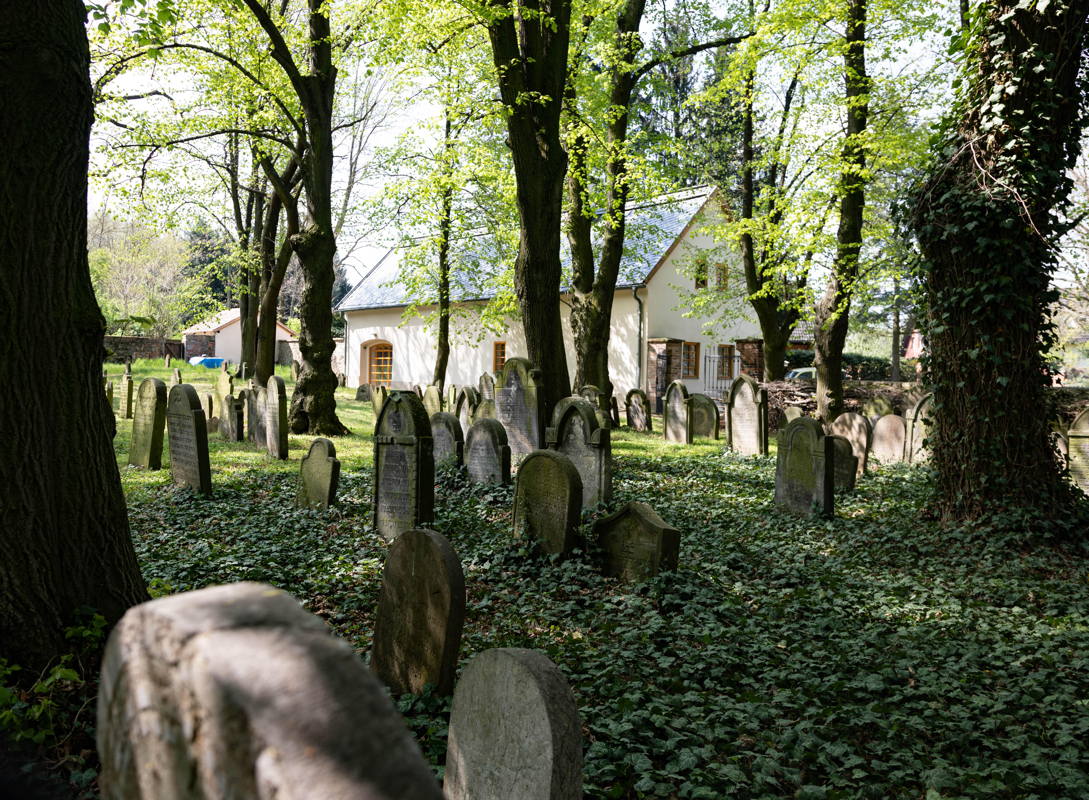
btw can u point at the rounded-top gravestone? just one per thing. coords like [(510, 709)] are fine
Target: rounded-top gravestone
[(857, 430), (547, 501), (889, 434), (187, 431), (747, 417), (577, 433), (319, 475), (676, 423), (432, 400), (804, 479), (519, 406), (637, 411), (447, 440), (404, 467), (704, 414), (146, 447), (487, 454), (918, 428)]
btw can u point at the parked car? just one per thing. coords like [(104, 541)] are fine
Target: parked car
[(802, 374)]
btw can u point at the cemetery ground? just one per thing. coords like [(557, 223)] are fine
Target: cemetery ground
[(874, 655)]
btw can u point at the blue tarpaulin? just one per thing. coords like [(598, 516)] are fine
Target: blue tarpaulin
[(205, 361)]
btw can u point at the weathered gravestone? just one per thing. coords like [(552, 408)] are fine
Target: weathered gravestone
[(1062, 452), (256, 430), (207, 403), (514, 731), (146, 447), (363, 393), (889, 434), (187, 430), (125, 399), (237, 692), (918, 428), (703, 414), (176, 380), (465, 407), (519, 406), (857, 430), (791, 413), (404, 479), (342, 380), (451, 398), (319, 476), (637, 411), (844, 464), (877, 407), (295, 370), (547, 501), (245, 371), (276, 417), (747, 417), (486, 387), (804, 477), (676, 423), (485, 409), (379, 395), (419, 391), (432, 400), (487, 454), (637, 544), (576, 432), (598, 402), (224, 388), (244, 399), (421, 611), (1077, 437), (232, 419), (448, 444), (166, 360)]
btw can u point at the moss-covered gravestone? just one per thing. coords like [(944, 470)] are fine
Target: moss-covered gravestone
[(887, 443), (514, 731), (637, 411), (421, 613), (791, 413), (125, 401), (804, 477), (576, 432), (319, 476), (404, 467), (379, 395), (1077, 446), (146, 447), (485, 409), (857, 430), (704, 415), (918, 428), (256, 428), (676, 424), (486, 387), (519, 406), (547, 501), (447, 440), (465, 407), (487, 454), (636, 543), (363, 393), (747, 417), (877, 407), (232, 419), (432, 400), (224, 388), (844, 464), (276, 417), (187, 429)]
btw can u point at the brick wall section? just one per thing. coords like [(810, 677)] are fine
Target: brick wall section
[(672, 349), (120, 349), (200, 344), (752, 357)]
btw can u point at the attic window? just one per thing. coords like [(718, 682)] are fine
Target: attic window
[(700, 271)]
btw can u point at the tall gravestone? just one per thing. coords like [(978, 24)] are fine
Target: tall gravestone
[(237, 692), (487, 454), (187, 430), (404, 467), (889, 435), (486, 386), (146, 447), (857, 430), (636, 543), (918, 428), (676, 423), (637, 411), (319, 476), (432, 400), (256, 430), (704, 415), (485, 409), (379, 395), (224, 388), (747, 417), (465, 407), (519, 406), (804, 476), (1077, 447), (547, 501), (844, 464), (276, 417), (576, 433), (514, 731), (176, 380), (421, 613), (451, 398), (447, 441), (125, 400), (232, 419)]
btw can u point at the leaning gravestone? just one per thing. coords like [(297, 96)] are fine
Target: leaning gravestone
[(432, 400), (857, 430), (276, 417), (918, 428), (421, 612), (704, 415), (379, 395), (465, 407), (146, 448), (637, 411), (514, 731), (232, 419), (404, 479), (187, 430), (576, 433), (176, 380), (319, 475), (889, 434), (447, 441), (487, 454), (363, 392), (519, 406), (844, 464), (547, 501), (224, 388), (637, 544), (676, 423), (1077, 445), (126, 394), (486, 387), (747, 417), (804, 477), (237, 692)]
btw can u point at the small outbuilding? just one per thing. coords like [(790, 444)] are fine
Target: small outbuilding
[(221, 336)]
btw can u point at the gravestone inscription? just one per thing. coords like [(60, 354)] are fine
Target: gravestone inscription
[(404, 482), (547, 501), (1077, 446), (804, 477), (518, 406), (747, 417), (187, 430)]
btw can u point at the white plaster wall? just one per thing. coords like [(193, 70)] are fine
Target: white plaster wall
[(229, 343)]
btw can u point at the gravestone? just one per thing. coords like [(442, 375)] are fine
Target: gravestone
[(857, 430), (918, 428), (379, 395), (844, 464), (747, 417), (419, 391), (109, 394), (450, 398), (1062, 452), (166, 360), (486, 387), (232, 424), (703, 414), (614, 411), (177, 379), (676, 423), (1077, 444), (637, 411), (237, 692), (447, 441), (791, 413), (421, 612), (465, 407), (519, 406), (514, 731), (432, 400), (319, 476), (245, 371), (363, 393), (877, 407), (804, 477), (224, 388), (295, 370), (125, 399), (256, 431), (889, 435), (485, 409), (597, 400), (244, 396), (404, 480), (207, 404), (636, 543), (576, 433), (547, 501), (342, 380), (187, 431), (146, 447), (276, 417), (487, 454)]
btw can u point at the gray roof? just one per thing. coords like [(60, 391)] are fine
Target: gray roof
[(651, 229)]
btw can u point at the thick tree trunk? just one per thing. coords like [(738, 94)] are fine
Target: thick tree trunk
[(66, 538), (442, 351)]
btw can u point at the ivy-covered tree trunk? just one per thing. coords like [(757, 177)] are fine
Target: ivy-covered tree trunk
[(987, 223), (65, 528)]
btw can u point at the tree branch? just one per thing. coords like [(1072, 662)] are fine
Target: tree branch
[(689, 51)]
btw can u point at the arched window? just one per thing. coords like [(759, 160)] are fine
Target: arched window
[(380, 370)]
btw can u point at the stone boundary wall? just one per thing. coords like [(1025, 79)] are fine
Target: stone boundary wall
[(287, 350), (120, 349), (200, 344)]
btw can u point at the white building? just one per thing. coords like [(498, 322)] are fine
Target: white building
[(672, 250), (221, 336)]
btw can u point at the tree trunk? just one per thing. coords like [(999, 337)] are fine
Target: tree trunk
[(895, 360), (987, 220), (66, 534), (442, 351)]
